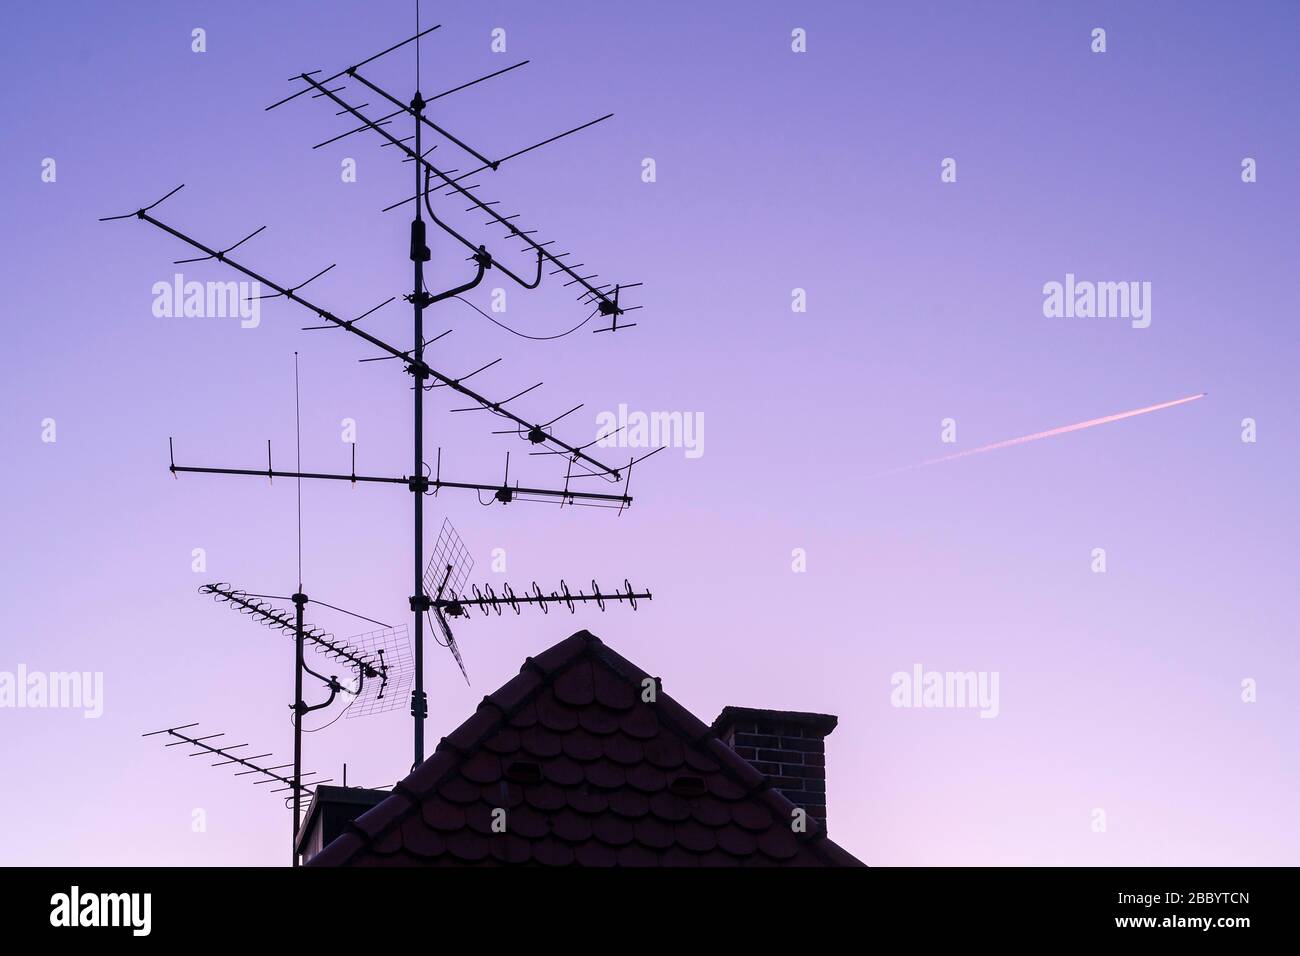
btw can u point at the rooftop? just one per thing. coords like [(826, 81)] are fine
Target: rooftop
[(582, 759)]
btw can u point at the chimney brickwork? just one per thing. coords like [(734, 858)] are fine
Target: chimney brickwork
[(787, 746)]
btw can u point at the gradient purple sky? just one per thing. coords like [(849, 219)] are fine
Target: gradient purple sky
[(775, 170)]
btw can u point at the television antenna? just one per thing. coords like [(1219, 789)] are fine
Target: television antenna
[(379, 661), (604, 298), (254, 764), (376, 659), (449, 569)]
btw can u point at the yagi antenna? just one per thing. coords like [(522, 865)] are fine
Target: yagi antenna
[(488, 601), (233, 755), (415, 145), (449, 569), (379, 661), (413, 359), (265, 613), (453, 185)]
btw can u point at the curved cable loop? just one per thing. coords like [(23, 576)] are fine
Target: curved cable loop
[(477, 250)]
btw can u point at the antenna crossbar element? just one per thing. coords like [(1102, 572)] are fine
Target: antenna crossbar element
[(267, 773), (434, 483), (419, 116), (369, 59), (454, 184), (286, 292), (449, 567), (575, 452), (487, 600), (465, 86), (381, 658), (271, 616)]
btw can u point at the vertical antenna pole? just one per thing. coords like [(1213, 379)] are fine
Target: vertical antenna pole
[(299, 600), (299, 708), (297, 430), (419, 601)]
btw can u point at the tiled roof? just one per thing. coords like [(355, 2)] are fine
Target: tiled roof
[(587, 773)]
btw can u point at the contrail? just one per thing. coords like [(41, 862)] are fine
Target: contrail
[(1062, 430)]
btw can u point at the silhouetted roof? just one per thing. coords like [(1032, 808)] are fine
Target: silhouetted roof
[(588, 773)]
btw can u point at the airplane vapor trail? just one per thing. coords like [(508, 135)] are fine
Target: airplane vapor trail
[(1062, 430)]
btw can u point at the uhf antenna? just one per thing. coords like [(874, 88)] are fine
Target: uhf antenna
[(377, 659), (541, 260), (251, 765), (449, 568), (373, 658)]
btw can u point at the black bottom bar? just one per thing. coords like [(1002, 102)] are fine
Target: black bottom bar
[(914, 909)]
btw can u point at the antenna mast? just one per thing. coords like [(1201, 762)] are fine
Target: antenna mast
[(420, 254), (581, 463), (376, 659)]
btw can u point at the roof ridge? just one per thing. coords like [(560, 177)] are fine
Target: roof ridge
[(558, 656), (498, 709), (740, 769)]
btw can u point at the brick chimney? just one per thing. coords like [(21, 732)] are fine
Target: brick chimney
[(786, 745)]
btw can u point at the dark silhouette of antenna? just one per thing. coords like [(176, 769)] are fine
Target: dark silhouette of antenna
[(250, 764), (602, 297), (257, 606), (375, 659), (449, 568)]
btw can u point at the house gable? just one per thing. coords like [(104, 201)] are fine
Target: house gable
[(568, 764)]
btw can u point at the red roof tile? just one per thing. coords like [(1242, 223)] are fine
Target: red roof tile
[(587, 773)]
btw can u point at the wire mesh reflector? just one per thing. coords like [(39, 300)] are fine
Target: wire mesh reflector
[(390, 650), (450, 565)]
